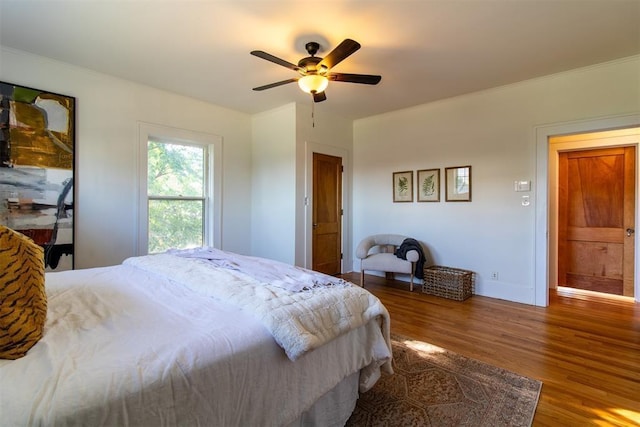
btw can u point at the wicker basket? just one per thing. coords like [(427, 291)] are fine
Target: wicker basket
[(448, 282)]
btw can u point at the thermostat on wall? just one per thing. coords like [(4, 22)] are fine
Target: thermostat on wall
[(522, 185)]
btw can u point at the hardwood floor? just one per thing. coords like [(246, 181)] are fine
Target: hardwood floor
[(584, 348)]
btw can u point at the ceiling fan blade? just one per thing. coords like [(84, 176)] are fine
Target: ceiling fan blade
[(276, 84), (337, 55), (367, 79), (274, 59), (319, 97)]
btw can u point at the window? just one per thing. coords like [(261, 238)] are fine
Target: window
[(179, 189), (176, 195)]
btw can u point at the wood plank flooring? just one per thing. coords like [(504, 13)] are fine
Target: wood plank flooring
[(583, 347)]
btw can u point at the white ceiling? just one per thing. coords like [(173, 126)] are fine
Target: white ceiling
[(425, 50)]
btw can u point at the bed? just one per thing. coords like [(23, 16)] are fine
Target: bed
[(198, 337)]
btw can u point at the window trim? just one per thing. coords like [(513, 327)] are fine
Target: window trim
[(213, 144)]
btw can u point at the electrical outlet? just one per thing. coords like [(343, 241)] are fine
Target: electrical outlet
[(494, 275)]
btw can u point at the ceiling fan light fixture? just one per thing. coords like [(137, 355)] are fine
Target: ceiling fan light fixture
[(313, 83), (315, 72)]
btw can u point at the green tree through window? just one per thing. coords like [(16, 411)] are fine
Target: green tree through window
[(176, 191)]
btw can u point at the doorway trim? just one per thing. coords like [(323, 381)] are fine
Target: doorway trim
[(310, 148), (543, 149)]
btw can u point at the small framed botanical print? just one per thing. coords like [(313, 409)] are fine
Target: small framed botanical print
[(403, 186), (428, 185)]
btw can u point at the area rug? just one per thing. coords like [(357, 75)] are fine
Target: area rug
[(432, 386)]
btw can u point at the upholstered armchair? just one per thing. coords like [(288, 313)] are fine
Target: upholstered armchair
[(377, 253)]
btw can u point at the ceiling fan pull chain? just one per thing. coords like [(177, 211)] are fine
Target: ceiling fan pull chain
[(313, 111)]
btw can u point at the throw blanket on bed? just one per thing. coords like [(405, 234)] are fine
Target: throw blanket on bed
[(299, 321), (289, 277)]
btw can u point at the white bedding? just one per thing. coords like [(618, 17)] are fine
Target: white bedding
[(300, 319), (124, 346)]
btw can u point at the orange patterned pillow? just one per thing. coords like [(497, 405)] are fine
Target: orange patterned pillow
[(23, 301)]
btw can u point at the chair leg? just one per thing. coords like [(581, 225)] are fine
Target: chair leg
[(412, 269), (362, 278)]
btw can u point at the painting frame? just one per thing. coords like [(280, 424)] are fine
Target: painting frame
[(402, 186), (37, 169), (428, 185), (458, 183)]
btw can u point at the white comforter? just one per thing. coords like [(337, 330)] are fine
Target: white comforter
[(300, 318), (124, 346)]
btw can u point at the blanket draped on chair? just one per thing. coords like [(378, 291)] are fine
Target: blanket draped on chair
[(410, 244)]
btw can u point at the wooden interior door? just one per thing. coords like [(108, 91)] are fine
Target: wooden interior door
[(327, 214), (596, 220)]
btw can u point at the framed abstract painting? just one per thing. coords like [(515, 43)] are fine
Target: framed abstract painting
[(37, 145)]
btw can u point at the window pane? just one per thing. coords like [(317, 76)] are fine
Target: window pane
[(175, 224), (462, 180), (175, 170)]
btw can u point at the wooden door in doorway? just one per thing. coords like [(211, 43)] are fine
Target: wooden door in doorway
[(327, 214), (596, 220)]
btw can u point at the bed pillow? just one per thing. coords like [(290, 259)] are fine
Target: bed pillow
[(23, 301)]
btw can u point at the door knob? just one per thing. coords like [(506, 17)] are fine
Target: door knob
[(316, 225), (630, 231)]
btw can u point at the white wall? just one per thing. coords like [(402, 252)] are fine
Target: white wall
[(282, 141), (108, 112), (273, 184), (327, 134), (264, 164), (494, 132)]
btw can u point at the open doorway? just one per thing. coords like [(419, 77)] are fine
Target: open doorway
[(592, 211)]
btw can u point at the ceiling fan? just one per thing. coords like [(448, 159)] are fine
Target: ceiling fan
[(315, 72)]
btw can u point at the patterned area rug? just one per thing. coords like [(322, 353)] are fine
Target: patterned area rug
[(435, 387)]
